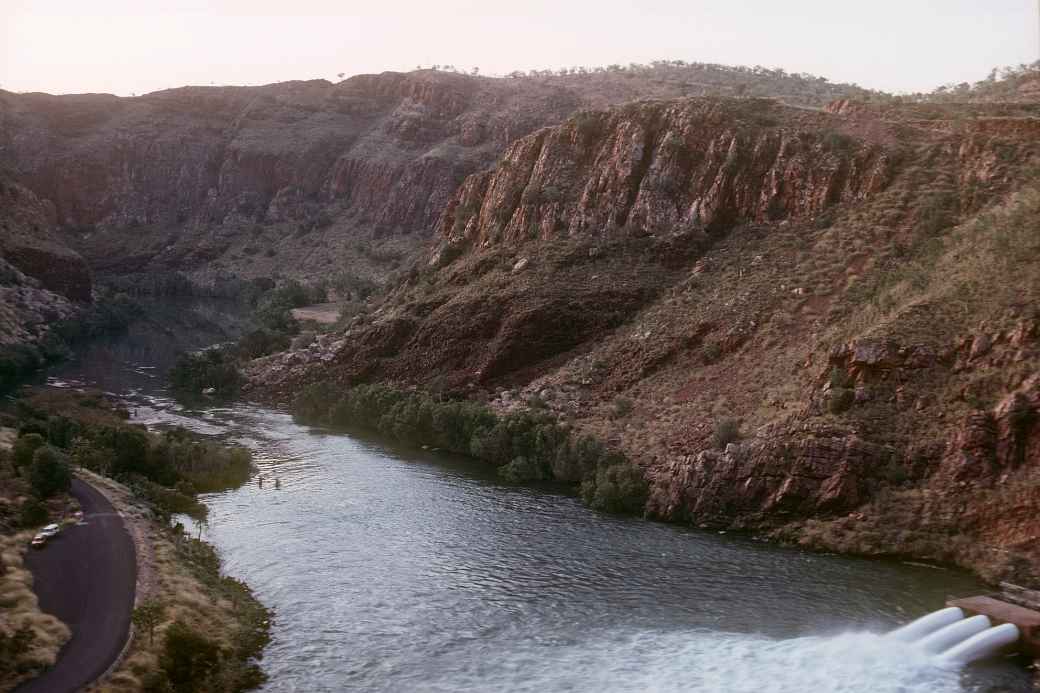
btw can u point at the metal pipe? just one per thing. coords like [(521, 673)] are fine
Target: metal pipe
[(945, 638), (915, 630), (981, 645)]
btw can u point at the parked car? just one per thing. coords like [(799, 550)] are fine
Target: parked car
[(38, 541), (50, 531)]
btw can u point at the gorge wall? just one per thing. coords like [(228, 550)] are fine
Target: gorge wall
[(789, 318), (309, 179)]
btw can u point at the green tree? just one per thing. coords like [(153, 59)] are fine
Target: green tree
[(149, 615), (89, 456), (49, 473), (25, 447), (32, 513)]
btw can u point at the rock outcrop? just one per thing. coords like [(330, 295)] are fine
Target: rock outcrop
[(28, 242), (41, 283)]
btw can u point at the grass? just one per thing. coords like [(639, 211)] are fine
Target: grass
[(19, 607), (183, 574), (18, 604)]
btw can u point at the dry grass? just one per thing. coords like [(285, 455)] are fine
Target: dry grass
[(166, 574), (19, 607), (18, 604)]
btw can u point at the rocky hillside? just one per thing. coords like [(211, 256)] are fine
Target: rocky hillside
[(333, 181), (819, 325), (42, 282)]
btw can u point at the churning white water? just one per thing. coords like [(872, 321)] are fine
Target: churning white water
[(709, 661)]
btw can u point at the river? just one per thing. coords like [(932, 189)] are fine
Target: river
[(393, 569)]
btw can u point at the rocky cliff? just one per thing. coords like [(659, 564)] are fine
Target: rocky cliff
[(42, 282), (310, 179), (818, 325)]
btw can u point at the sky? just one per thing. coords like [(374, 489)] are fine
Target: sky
[(136, 46)]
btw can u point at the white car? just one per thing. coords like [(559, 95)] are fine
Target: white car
[(38, 541), (50, 531)]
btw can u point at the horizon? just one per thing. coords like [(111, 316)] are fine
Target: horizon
[(117, 48)]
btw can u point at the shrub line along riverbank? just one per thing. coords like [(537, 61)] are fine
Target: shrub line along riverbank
[(524, 446)]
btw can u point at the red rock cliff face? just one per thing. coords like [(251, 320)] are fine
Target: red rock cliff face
[(28, 243), (206, 177), (652, 168), (200, 154), (580, 226), (41, 281)]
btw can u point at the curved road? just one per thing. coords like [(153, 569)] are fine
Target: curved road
[(86, 576)]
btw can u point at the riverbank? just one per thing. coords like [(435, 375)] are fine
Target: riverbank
[(194, 625), (182, 575)]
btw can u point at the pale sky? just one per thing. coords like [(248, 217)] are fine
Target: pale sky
[(138, 46)]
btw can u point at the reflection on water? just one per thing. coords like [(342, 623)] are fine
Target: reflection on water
[(398, 570)]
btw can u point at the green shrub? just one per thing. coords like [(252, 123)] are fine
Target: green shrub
[(49, 472), (213, 369), (840, 399), (261, 342), (838, 141), (522, 469), (61, 431), (88, 455), (17, 361), (622, 407), (839, 378), (618, 486), (188, 659), (33, 513), (208, 467), (24, 449), (726, 431), (711, 352), (526, 445), (166, 500)]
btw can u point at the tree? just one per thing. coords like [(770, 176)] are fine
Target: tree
[(149, 615), (49, 473), (25, 447)]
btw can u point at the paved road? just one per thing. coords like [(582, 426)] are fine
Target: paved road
[(85, 576)]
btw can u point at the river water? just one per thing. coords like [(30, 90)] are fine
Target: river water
[(395, 569)]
